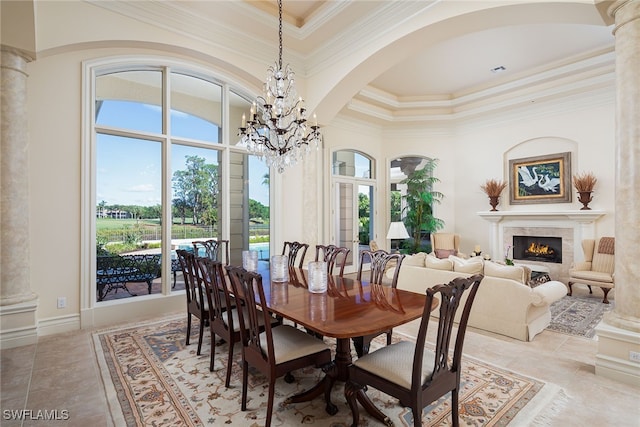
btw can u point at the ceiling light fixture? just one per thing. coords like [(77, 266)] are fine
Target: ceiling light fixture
[(277, 129), (498, 69)]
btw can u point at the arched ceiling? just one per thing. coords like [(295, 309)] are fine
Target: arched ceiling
[(403, 61)]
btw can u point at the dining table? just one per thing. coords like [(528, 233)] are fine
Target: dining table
[(347, 310)]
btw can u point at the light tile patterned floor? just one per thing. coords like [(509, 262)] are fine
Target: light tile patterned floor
[(61, 373)]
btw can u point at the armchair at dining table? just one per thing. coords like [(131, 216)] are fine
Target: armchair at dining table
[(296, 252), (378, 262), (333, 255), (410, 372), (276, 350), (217, 250)]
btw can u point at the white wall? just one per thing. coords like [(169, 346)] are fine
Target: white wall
[(467, 156)]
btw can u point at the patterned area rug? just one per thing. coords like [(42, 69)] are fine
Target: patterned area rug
[(152, 378), (577, 315)]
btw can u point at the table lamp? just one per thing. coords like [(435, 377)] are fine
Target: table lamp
[(397, 231)]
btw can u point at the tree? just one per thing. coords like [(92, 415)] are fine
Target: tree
[(420, 199), (196, 191)]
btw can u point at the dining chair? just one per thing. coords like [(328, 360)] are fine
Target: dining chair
[(224, 320), (333, 255), (379, 263), (213, 249), (408, 371), (295, 251), (196, 302), (279, 349)]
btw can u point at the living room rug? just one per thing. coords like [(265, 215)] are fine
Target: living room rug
[(152, 378), (577, 315)]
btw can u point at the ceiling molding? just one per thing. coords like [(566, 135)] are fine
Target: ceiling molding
[(362, 33), (597, 89), (581, 76), (177, 18)]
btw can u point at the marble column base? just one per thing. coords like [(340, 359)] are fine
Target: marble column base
[(18, 324), (615, 349)]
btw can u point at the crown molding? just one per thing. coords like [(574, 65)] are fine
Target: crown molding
[(580, 77), (176, 18)]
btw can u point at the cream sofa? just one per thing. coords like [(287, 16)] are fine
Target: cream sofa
[(504, 304)]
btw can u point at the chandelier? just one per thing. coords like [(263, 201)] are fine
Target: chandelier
[(277, 129)]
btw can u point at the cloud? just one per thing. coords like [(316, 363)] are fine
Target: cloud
[(142, 188)]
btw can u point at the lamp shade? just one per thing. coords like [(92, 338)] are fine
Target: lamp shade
[(397, 230)]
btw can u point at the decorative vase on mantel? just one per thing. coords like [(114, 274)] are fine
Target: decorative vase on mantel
[(585, 198), (493, 201)]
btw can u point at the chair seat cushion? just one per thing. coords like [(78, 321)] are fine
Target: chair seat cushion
[(595, 276), (395, 363), (245, 315), (290, 343)]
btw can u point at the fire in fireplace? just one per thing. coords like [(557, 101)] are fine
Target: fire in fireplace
[(537, 248)]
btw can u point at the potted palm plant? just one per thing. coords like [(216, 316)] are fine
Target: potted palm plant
[(420, 198), (493, 188)]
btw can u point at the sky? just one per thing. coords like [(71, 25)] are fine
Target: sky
[(129, 171)]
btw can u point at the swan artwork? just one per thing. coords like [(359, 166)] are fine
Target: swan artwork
[(525, 176), (549, 184)]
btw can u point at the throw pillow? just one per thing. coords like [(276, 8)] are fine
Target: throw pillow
[(471, 266), (438, 264), (513, 272), (415, 259), (444, 253)]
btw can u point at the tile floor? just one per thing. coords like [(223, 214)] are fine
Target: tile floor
[(60, 373)]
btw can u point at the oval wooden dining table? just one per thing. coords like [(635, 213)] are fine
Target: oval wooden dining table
[(348, 309)]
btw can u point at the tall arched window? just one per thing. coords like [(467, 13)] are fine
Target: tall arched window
[(353, 202), (165, 172)]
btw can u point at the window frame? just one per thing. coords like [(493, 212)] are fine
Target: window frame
[(91, 70)]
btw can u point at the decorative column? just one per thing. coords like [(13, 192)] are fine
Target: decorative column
[(18, 324), (619, 333)]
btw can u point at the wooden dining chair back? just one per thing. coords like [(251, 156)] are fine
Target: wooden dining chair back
[(411, 373), (196, 301), (279, 349), (217, 250), (296, 252), (379, 261), (223, 322), (333, 255)]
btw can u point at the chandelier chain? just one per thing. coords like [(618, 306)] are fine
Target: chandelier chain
[(280, 34)]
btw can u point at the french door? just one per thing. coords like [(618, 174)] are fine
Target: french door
[(353, 217)]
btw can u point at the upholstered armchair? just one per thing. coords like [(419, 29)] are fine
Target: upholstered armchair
[(445, 244), (597, 267)]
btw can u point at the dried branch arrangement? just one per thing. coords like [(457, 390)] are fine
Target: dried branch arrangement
[(493, 187), (584, 182)]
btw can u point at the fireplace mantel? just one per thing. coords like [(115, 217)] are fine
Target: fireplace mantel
[(582, 222), (578, 215)]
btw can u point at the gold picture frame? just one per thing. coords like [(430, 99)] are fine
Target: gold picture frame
[(540, 179)]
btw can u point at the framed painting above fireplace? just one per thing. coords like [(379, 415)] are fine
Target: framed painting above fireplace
[(540, 179)]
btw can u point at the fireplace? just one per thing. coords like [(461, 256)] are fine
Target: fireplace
[(537, 248)]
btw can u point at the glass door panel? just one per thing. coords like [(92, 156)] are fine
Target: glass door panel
[(353, 221)]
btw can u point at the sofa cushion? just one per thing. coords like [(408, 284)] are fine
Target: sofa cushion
[(438, 264), (513, 272), (415, 259), (471, 266), (444, 253)]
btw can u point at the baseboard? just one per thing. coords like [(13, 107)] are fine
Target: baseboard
[(56, 325), (18, 337), (618, 370)]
